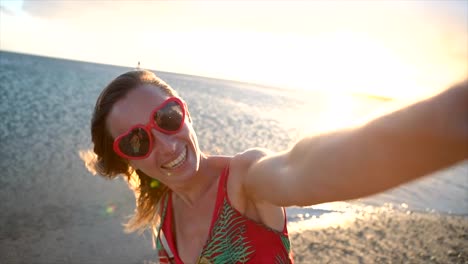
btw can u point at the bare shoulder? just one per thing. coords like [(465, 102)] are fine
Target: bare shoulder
[(238, 169), (242, 162), (259, 211), (246, 159)]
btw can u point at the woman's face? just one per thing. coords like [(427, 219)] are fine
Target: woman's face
[(174, 158)]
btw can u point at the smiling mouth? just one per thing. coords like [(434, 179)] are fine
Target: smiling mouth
[(177, 161)]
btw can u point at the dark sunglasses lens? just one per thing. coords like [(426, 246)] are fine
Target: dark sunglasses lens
[(169, 117), (136, 143)]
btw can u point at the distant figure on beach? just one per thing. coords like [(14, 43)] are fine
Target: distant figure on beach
[(230, 209)]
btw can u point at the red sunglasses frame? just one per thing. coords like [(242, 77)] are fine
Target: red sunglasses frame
[(150, 125)]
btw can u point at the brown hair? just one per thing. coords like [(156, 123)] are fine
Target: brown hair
[(108, 164)]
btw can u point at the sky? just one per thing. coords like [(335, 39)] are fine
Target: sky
[(399, 49)]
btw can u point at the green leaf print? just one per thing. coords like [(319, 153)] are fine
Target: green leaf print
[(286, 243), (282, 258), (227, 243)]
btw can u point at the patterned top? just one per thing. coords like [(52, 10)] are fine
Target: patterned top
[(233, 237)]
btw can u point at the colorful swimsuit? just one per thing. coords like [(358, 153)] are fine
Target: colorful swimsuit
[(233, 237)]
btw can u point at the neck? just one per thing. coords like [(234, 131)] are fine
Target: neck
[(199, 185)]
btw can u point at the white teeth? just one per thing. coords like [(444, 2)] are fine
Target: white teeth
[(178, 161)]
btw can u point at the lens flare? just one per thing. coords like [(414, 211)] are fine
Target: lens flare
[(110, 209), (154, 184)]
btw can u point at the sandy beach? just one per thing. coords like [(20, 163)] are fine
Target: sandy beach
[(387, 237)]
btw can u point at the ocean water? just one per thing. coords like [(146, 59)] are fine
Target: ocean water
[(46, 105)]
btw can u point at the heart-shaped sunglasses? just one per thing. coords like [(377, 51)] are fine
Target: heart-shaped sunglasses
[(137, 142)]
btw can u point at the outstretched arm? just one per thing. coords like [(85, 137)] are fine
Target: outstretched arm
[(348, 164)]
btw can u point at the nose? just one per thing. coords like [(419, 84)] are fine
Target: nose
[(163, 143)]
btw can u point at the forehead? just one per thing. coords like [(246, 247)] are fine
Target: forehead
[(134, 108)]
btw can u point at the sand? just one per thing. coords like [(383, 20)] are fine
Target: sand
[(387, 237)]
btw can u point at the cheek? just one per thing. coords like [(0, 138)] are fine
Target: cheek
[(190, 132), (136, 164), (145, 166)]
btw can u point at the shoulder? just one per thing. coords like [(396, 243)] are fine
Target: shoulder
[(244, 198), (241, 166), (246, 159)]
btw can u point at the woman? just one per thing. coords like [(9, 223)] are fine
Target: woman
[(218, 209)]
